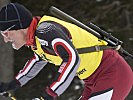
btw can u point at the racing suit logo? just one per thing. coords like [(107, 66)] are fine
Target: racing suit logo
[(81, 72)]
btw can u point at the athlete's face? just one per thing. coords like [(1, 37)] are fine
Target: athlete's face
[(16, 37)]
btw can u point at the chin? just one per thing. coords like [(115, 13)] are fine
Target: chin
[(16, 47)]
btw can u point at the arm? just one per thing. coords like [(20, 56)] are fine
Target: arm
[(30, 70), (63, 47), (68, 67)]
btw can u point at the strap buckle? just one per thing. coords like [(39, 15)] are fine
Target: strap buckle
[(97, 48)]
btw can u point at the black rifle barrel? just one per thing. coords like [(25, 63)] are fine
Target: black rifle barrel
[(95, 30), (60, 14), (105, 34)]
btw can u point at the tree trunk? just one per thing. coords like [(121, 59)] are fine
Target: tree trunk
[(6, 59)]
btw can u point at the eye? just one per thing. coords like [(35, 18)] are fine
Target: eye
[(4, 34)]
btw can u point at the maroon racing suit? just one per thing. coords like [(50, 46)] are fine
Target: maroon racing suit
[(114, 77)]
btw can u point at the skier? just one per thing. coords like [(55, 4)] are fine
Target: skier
[(105, 73)]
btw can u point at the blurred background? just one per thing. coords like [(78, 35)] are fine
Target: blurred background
[(115, 16)]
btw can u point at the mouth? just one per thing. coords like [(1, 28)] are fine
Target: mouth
[(12, 41)]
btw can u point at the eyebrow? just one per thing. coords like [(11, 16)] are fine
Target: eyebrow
[(3, 32)]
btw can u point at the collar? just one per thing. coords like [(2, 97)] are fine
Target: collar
[(30, 37)]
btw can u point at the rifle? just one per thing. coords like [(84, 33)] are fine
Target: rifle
[(95, 30)]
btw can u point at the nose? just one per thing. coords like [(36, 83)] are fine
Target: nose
[(6, 37)]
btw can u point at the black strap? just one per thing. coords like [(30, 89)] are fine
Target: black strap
[(94, 49)]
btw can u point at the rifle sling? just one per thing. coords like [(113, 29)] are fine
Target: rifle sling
[(94, 49)]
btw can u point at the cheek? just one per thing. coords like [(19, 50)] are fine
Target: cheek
[(16, 35), (20, 37), (11, 35)]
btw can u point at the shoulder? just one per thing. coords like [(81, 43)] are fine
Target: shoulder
[(45, 27)]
